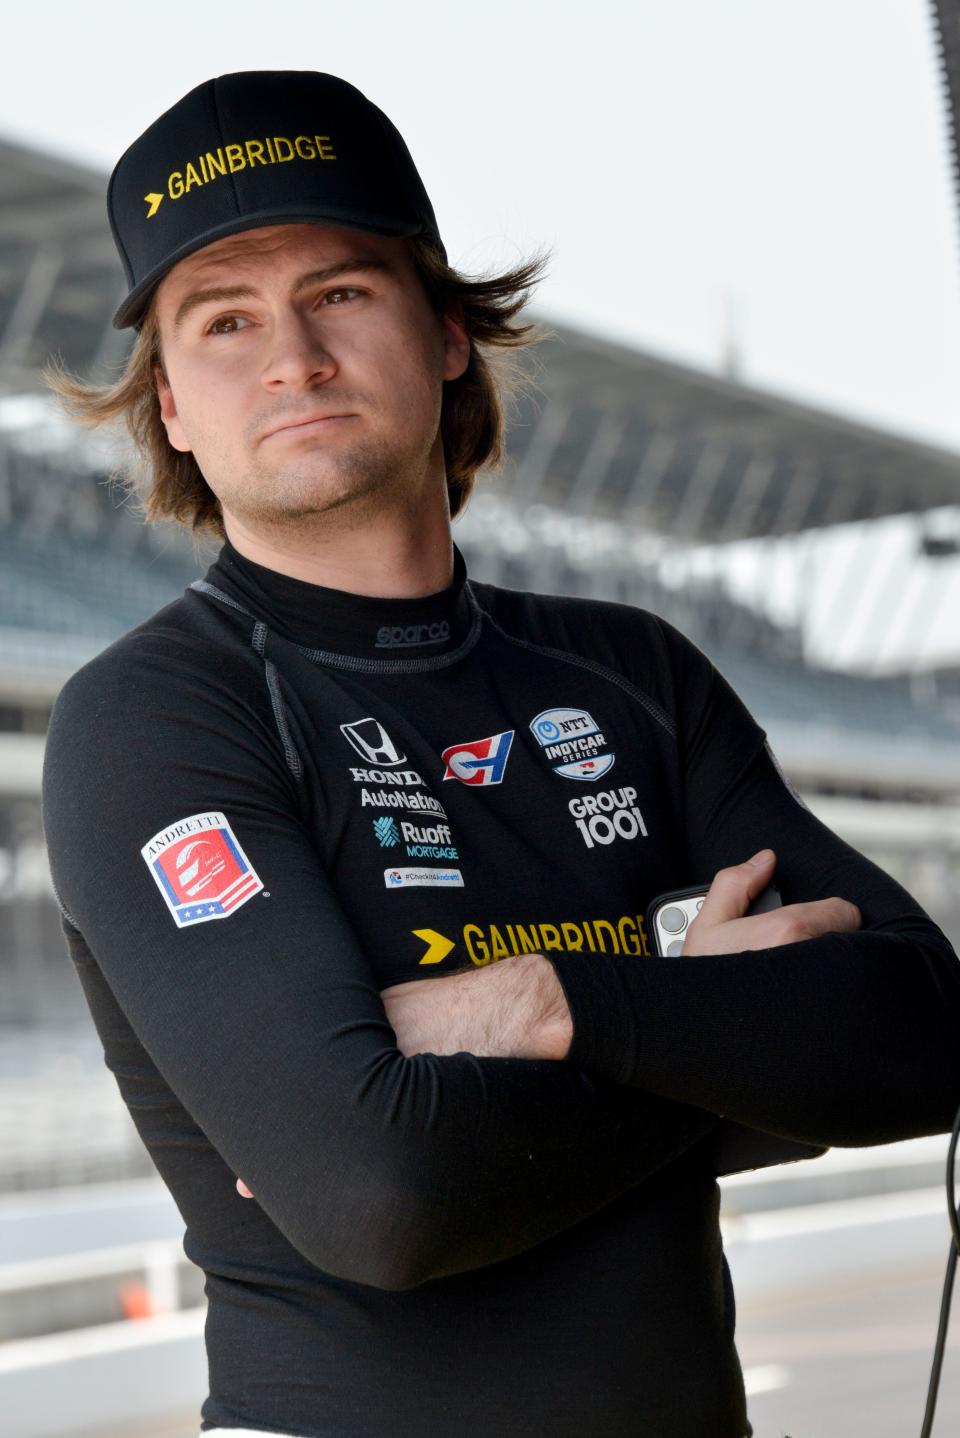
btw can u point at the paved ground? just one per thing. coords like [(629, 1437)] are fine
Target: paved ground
[(852, 1360)]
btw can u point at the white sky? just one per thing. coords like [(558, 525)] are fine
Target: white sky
[(683, 158)]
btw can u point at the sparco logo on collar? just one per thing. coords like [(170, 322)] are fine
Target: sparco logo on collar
[(373, 743), (481, 761), (402, 636), (200, 869), (571, 741)]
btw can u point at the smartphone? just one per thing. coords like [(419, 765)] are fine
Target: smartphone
[(669, 916), (733, 1147)]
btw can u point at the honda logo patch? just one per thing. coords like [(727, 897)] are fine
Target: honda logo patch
[(373, 743)]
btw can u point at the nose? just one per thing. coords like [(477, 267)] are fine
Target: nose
[(296, 355)]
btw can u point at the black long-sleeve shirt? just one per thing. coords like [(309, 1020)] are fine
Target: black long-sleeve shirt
[(272, 800)]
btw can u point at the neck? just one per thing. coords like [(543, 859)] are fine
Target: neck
[(393, 556), (391, 631)]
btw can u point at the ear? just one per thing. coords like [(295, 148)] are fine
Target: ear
[(168, 412), (456, 344)]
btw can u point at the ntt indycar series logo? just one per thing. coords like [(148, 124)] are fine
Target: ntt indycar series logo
[(571, 740), (200, 869)]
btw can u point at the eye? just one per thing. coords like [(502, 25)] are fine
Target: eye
[(338, 297), (232, 320)]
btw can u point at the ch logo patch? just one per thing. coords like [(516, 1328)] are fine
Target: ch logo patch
[(481, 761), (373, 743), (572, 741), (200, 869)]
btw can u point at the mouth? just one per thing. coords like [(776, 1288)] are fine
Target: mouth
[(307, 426)]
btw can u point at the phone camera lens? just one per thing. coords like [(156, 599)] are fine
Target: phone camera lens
[(673, 920)]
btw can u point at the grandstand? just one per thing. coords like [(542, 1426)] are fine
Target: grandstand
[(620, 466)]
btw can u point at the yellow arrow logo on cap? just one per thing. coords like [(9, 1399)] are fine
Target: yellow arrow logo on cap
[(153, 200), (438, 946)]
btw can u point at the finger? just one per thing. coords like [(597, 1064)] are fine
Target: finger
[(733, 889), (820, 916), (242, 1189)]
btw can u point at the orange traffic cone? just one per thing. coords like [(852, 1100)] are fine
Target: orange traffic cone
[(136, 1301)]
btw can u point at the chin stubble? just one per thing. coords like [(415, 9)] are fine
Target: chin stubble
[(353, 484)]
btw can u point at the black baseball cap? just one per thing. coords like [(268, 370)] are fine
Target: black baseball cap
[(258, 147)]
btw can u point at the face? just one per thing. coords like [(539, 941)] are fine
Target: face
[(304, 370)]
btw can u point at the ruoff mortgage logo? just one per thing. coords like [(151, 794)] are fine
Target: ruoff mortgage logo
[(386, 831), (211, 165), (421, 841)]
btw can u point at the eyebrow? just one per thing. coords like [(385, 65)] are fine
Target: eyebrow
[(216, 293)]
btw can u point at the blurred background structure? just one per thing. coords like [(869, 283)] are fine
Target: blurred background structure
[(815, 558)]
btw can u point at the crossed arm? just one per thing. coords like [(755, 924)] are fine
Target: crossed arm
[(517, 1008), (831, 1021), (269, 1030), (388, 1167)]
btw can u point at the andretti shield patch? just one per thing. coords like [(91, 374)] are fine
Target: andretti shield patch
[(200, 869)]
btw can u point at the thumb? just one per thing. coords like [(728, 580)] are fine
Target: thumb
[(733, 890), (242, 1189)]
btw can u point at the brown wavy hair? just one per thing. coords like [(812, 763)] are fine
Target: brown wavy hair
[(167, 484)]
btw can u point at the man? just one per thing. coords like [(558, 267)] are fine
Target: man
[(353, 854)]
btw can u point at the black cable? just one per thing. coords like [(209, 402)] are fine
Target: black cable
[(954, 1217)]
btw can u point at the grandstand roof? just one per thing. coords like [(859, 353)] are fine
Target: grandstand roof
[(60, 278), (613, 432), (625, 435)]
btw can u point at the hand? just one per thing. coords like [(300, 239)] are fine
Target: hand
[(515, 1008), (723, 926), (242, 1189)]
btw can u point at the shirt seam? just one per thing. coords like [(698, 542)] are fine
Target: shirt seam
[(258, 640), (593, 666)]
